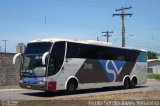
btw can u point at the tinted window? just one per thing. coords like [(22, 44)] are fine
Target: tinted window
[(142, 57), (32, 66), (76, 50), (38, 48), (56, 58)]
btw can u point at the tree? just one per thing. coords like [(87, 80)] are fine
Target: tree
[(152, 55)]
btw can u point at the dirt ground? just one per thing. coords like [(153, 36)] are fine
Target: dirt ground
[(143, 98), (142, 95)]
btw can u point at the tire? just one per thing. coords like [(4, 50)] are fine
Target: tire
[(133, 83), (71, 87), (48, 92), (126, 83)]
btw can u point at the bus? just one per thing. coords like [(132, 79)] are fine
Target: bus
[(61, 64)]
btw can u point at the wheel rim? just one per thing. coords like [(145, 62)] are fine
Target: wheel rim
[(71, 87), (133, 83), (126, 84)]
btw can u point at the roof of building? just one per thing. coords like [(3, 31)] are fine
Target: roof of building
[(152, 60)]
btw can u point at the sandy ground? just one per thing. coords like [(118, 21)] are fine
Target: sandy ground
[(151, 97), (10, 87), (131, 97)]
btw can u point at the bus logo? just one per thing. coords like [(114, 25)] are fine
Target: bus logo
[(112, 68)]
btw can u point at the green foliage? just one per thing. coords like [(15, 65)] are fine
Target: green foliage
[(153, 76), (152, 55)]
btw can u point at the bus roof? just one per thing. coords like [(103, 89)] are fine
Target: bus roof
[(76, 41), (92, 42)]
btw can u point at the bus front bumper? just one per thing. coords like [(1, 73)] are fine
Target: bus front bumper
[(34, 86)]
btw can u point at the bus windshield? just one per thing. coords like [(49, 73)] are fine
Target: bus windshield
[(32, 60), (38, 48)]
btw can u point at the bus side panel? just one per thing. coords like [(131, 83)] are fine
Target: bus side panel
[(99, 85), (93, 73), (140, 71), (103, 73), (71, 67), (100, 71)]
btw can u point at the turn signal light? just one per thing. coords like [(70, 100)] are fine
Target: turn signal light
[(20, 77), (51, 86)]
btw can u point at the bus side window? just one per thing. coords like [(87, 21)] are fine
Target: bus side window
[(120, 58), (56, 58), (70, 50), (142, 57)]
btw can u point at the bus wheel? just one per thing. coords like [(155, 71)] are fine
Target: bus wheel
[(134, 82), (126, 83), (48, 92), (71, 87)]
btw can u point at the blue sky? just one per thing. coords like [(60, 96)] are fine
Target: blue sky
[(24, 20)]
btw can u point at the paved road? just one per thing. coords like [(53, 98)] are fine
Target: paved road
[(23, 94)]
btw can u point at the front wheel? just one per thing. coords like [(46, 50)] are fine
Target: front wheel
[(48, 92), (71, 87)]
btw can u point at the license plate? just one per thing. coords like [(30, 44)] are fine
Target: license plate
[(28, 86)]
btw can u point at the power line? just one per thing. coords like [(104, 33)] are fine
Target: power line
[(107, 35), (144, 46), (144, 43), (147, 48), (122, 16)]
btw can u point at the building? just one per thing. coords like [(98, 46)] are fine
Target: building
[(154, 66), (20, 48)]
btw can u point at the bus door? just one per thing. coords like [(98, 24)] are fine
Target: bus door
[(56, 59)]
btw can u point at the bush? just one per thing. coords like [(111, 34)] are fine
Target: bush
[(153, 76)]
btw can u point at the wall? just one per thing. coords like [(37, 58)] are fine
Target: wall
[(154, 67), (9, 73)]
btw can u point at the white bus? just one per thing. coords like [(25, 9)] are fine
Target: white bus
[(57, 64)]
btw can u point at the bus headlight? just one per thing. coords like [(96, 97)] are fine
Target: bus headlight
[(41, 82)]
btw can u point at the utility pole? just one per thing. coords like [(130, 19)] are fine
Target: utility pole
[(107, 35), (5, 41), (122, 16)]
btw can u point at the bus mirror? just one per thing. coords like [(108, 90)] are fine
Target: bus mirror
[(15, 57), (44, 58)]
